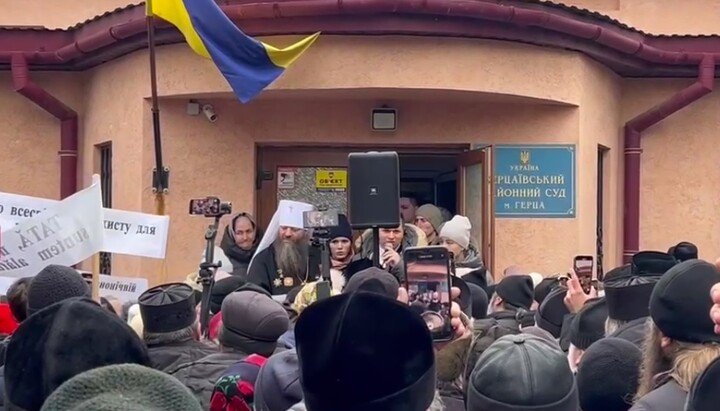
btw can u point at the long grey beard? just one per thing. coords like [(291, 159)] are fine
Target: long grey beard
[(291, 258)]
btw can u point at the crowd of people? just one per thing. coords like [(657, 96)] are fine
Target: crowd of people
[(646, 337)]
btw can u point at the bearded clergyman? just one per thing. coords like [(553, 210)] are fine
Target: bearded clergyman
[(284, 259)]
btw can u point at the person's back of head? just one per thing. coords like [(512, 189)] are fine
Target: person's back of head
[(53, 284), (521, 373), (61, 341), (252, 322), (684, 251), (17, 298), (608, 375), (168, 314), (373, 353), (128, 387)]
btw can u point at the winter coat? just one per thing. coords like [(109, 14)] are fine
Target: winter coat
[(169, 356), (667, 397), (413, 236), (474, 268), (201, 375), (487, 330)]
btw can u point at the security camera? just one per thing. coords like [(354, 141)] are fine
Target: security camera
[(209, 112)]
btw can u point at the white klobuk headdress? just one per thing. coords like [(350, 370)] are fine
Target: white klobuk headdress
[(288, 214)]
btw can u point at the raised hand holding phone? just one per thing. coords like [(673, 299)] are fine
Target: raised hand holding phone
[(576, 297)]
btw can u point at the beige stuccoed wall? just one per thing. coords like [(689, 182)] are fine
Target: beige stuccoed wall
[(590, 106), (600, 125), (30, 137), (219, 158), (679, 196), (653, 16)]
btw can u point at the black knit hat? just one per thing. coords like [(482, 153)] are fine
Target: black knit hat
[(167, 308), (479, 278), (608, 375), (342, 230), (465, 299), (522, 373), (552, 311), (61, 341), (480, 301), (680, 302), (277, 387), (53, 284), (516, 290), (544, 287), (222, 289), (588, 326), (704, 394), (361, 365)]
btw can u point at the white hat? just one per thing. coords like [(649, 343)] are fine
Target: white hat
[(288, 214), (536, 278), (457, 230)]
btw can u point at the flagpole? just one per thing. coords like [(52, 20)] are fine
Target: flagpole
[(161, 173)]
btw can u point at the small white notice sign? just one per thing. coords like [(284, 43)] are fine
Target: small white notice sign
[(286, 178)]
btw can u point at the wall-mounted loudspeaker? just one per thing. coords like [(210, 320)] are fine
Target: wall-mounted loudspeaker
[(374, 189)]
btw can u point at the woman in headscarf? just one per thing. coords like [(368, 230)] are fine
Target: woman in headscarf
[(239, 242)]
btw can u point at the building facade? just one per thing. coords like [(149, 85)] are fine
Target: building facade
[(623, 84)]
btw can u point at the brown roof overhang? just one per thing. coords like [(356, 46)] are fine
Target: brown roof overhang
[(627, 51)]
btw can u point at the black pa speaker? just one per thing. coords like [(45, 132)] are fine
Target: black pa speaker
[(374, 189)]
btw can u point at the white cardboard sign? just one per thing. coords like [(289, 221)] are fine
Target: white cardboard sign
[(126, 232), (65, 233)]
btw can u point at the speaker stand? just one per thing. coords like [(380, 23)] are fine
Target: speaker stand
[(376, 254)]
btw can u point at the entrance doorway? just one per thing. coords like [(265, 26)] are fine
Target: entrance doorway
[(448, 176)]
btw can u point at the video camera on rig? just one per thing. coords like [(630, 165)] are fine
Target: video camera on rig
[(320, 221), (210, 207)]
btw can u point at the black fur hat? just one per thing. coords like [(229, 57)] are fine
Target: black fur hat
[(61, 341), (361, 365)]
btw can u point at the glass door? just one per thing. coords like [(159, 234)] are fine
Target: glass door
[(474, 194)]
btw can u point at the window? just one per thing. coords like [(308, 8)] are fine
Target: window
[(105, 153)]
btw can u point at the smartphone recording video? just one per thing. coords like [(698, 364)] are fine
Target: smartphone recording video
[(321, 219), (427, 274), (583, 267)]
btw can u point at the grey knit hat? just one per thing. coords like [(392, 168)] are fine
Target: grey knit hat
[(126, 387), (432, 214)]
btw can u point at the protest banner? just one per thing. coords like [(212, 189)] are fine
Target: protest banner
[(126, 232), (122, 288), (65, 233)]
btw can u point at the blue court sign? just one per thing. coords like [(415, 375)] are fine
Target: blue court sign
[(535, 181)]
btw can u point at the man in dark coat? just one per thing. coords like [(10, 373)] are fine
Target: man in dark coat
[(169, 326)]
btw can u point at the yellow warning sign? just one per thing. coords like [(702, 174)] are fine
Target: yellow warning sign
[(331, 180)]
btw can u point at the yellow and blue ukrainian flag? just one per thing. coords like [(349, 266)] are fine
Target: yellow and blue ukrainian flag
[(248, 64)]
